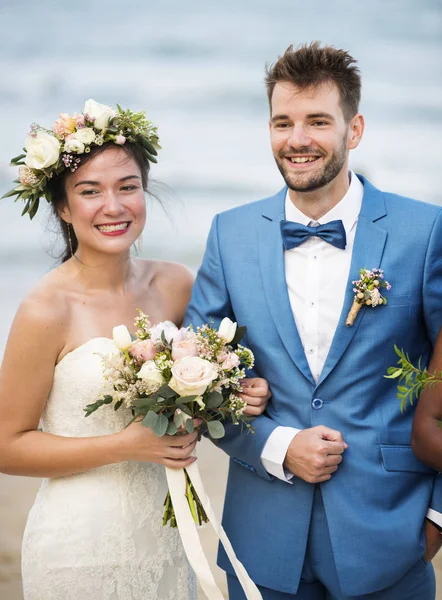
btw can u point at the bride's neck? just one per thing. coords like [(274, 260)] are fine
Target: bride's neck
[(102, 272)]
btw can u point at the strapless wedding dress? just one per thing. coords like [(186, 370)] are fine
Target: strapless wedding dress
[(98, 535)]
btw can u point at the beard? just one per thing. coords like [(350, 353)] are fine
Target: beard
[(308, 182)]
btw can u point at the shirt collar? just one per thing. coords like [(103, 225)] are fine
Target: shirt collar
[(347, 210)]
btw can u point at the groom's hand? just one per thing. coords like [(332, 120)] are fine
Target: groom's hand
[(315, 453), (433, 539)]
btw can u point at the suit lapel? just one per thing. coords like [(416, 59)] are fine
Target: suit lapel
[(368, 249), (271, 260)]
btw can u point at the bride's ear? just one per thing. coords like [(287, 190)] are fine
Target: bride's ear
[(65, 214)]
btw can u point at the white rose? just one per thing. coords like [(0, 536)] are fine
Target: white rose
[(42, 150), (227, 329), (150, 374), (86, 135), (100, 112), (192, 376), (74, 145), (121, 336)]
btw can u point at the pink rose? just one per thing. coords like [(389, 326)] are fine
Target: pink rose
[(143, 350), (230, 362), (192, 376), (120, 139), (183, 348)]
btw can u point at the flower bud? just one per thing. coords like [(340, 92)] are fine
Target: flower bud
[(121, 337), (227, 330)]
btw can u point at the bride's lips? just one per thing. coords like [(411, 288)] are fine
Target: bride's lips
[(113, 229)]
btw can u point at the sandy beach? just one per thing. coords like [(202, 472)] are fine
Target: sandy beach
[(17, 495)]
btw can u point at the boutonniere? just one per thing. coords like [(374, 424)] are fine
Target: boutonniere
[(367, 292)]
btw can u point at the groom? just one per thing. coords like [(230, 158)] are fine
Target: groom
[(326, 499)]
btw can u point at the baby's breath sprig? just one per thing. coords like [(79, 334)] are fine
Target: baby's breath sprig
[(411, 380)]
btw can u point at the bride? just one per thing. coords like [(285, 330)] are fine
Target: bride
[(95, 530)]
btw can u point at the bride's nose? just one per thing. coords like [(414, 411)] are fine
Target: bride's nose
[(112, 205)]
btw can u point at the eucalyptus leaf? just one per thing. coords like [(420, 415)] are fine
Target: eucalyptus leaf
[(178, 419), (161, 425), (213, 400), (171, 428), (187, 399), (166, 392), (190, 426), (216, 429), (144, 402), (150, 419)]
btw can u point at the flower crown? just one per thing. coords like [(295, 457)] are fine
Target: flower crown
[(50, 152)]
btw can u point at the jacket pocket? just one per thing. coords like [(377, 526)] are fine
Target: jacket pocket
[(401, 458)]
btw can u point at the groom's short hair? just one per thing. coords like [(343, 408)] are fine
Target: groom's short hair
[(311, 65)]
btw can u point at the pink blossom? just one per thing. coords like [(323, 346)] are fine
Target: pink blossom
[(230, 362), (79, 120), (183, 348), (120, 139), (143, 350), (64, 125)]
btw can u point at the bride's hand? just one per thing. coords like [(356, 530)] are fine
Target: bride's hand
[(256, 394), (141, 444)]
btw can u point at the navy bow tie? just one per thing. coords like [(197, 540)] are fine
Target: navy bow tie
[(294, 234)]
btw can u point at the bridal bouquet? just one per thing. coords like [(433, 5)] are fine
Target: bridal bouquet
[(169, 376)]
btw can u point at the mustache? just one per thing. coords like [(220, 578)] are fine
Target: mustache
[(300, 152)]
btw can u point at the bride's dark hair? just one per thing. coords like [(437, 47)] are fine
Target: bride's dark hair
[(57, 188)]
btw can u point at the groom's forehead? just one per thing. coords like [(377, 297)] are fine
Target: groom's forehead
[(290, 97)]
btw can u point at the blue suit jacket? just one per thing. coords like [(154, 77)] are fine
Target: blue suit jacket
[(377, 500)]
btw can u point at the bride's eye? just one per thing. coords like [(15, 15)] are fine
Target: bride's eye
[(129, 188), (89, 192)]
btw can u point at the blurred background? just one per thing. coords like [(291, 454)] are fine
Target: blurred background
[(197, 69)]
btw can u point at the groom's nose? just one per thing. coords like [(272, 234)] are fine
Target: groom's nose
[(299, 137)]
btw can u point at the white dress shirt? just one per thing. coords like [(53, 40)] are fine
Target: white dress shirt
[(316, 274)]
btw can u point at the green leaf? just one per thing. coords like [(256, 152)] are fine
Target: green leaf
[(144, 402), (118, 404), (213, 400), (190, 426), (171, 428), (150, 419), (161, 425), (395, 374), (216, 429), (10, 193), (17, 158), (166, 392), (239, 334), (186, 399)]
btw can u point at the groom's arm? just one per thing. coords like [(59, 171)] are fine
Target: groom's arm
[(432, 302), (211, 299)]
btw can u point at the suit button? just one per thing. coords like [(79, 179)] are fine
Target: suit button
[(317, 403)]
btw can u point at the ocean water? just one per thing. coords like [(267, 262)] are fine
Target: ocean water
[(197, 68)]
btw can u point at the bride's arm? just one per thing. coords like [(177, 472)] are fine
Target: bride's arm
[(26, 376), (427, 433)]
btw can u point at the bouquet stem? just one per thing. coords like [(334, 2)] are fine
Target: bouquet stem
[(355, 308), (196, 508)]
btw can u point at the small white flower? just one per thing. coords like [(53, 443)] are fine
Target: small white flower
[(150, 374), (227, 329), (121, 337), (86, 135), (74, 145)]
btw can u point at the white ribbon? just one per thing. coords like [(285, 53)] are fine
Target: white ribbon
[(189, 534)]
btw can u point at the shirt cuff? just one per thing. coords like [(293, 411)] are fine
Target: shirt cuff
[(433, 515), (275, 450)]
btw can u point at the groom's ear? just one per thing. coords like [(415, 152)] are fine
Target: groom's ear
[(355, 131)]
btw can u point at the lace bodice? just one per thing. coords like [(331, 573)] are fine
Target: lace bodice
[(99, 534)]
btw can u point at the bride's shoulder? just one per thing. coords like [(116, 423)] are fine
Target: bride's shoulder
[(167, 276), (46, 303)]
